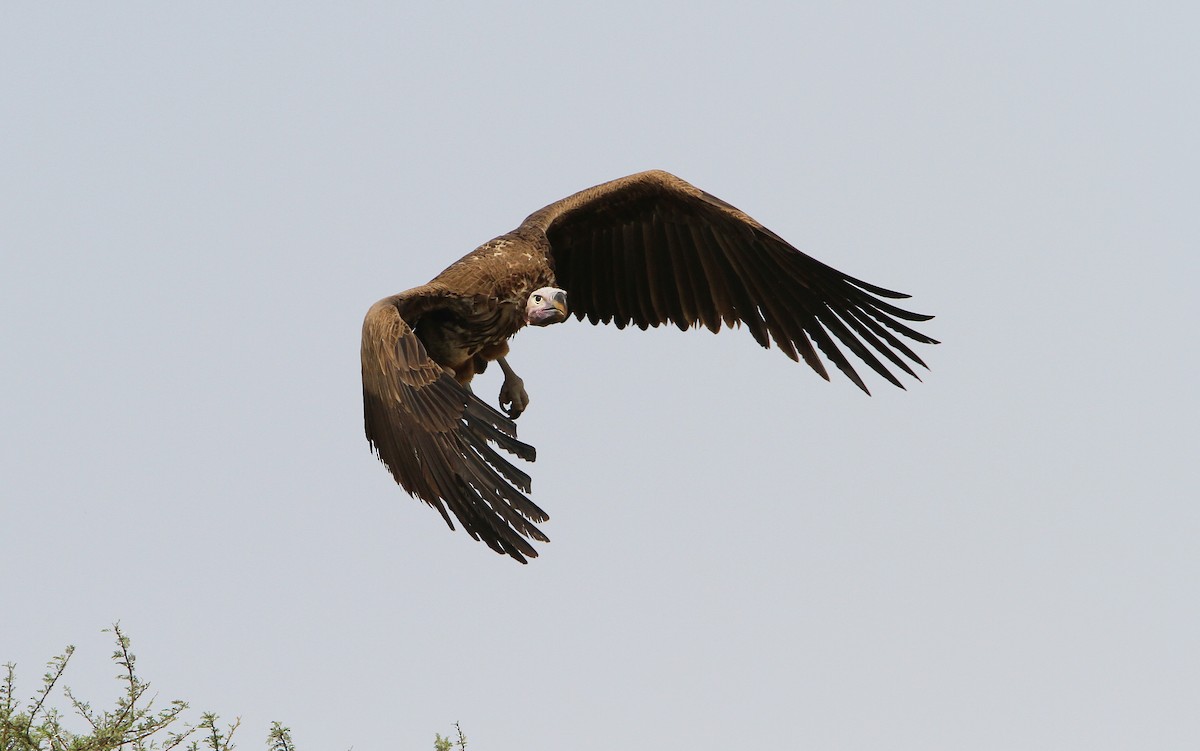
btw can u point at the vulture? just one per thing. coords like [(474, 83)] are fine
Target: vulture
[(648, 249)]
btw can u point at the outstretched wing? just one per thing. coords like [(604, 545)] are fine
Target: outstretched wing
[(435, 435), (651, 249)]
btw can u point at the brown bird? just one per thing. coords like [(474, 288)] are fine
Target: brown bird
[(647, 249)]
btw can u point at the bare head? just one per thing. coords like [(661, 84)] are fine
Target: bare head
[(546, 306)]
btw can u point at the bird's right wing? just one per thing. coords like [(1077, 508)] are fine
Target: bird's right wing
[(435, 435)]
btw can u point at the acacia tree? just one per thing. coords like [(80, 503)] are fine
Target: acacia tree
[(132, 725)]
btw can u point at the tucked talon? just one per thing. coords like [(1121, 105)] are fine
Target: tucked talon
[(513, 391)]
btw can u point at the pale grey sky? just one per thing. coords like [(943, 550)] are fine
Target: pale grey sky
[(200, 201)]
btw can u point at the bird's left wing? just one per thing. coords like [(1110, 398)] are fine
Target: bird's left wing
[(651, 249), (435, 435)]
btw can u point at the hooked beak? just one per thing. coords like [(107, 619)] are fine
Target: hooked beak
[(560, 304)]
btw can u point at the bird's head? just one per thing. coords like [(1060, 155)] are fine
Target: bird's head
[(546, 306)]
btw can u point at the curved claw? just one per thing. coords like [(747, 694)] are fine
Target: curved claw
[(512, 392)]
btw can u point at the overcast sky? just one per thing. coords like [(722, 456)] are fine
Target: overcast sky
[(200, 201)]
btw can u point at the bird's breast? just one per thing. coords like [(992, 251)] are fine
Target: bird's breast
[(451, 341)]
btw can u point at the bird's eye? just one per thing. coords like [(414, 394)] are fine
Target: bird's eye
[(537, 298)]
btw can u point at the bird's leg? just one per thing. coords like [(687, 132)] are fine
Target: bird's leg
[(513, 391)]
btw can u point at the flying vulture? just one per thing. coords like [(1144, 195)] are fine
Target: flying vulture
[(648, 249)]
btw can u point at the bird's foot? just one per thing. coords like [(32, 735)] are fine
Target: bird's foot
[(513, 393)]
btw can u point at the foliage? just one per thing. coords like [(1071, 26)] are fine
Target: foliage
[(132, 725), (445, 744)]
